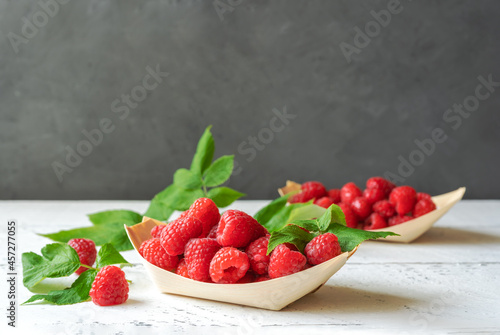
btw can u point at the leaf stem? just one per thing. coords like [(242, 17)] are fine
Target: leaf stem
[(89, 267)]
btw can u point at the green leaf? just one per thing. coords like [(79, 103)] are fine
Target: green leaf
[(311, 225), (109, 233), (349, 238), (266, 213), (333, 214), (158, 210), (289, 234), (204, 153), (78, 292), (308, 212), (185, 178), (224, 196), (57, 260), (219, 171), (282, 217), (108, 255), (122, 215), (178, 198)]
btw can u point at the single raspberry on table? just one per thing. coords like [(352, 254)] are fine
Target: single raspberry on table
[(256, 252), (86, 251), (403, 198), (308, 191), (198, 255), (335, 195), (322, 248), (182, 269), (373, 195), (284, 262), (423, 207), (109, 287), (229, 265), (153, 252), (361, 208), (207, 212), (324, 202), (175, 237), (349, 192), (398, 219), (381, 183), (237, 229), (156, 230), (422, 195), (375, 221), (384, 208), (350, 218)]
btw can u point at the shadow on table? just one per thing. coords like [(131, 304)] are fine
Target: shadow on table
[(443, 235), (339, 300)]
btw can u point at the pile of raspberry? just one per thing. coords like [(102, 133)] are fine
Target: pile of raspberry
[(229, 248), (379, 205)]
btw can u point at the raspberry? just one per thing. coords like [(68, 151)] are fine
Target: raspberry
[(350, 218), (421, 195), (322, 248), (361, 208), (309, 190), (373, 195), (335, 195), (284, 262), (109, 287), (423, 207), (174, 238), (198, 254), (384, 208), (249, 277), (256, 252), (237, 229), (207, 212), (374, 221), (379, 182), (398, 219), (213, 232), (349, 192), (324, 202), (261, 278), (182, 269), (153, 252), (403, 198), (86, 251), (156, 231), (228, 265)]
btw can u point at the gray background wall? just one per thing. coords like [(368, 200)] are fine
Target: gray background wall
[(352, 120)]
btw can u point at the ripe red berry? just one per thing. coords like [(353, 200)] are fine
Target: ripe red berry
[(349, 192), (398, 219), (309, 190), (334, 194), (375, 221), (403, 198), (284, 262), (207, 212), (198, 255), (384, 208), (350, 218), (109, 287), (156, 231), (175, 237), (213, 232), (324, 202), (423, 207), (261, 278), (153, 252), (421, 196), (322, 248), (86, 251), (256, 252), (237, 229), (361, 208), (228, 265), (381, 183), (249, 277), (182, 269), (373, 195)]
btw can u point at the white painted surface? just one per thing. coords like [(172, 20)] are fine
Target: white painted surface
[(447, 281)]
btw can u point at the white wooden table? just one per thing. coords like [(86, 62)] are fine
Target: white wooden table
[(445, 282)]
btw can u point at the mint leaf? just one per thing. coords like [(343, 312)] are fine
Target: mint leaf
[(122, 215), (311, 225), (224, 196), (78, 292), (289, 234), (185, 178), (57, 260), (219, 171), (108, 233), (282, 217), (349, 238), (158, 210), (178, 198), (266, 213), (333, 214), (204, 153), (108, 255)]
